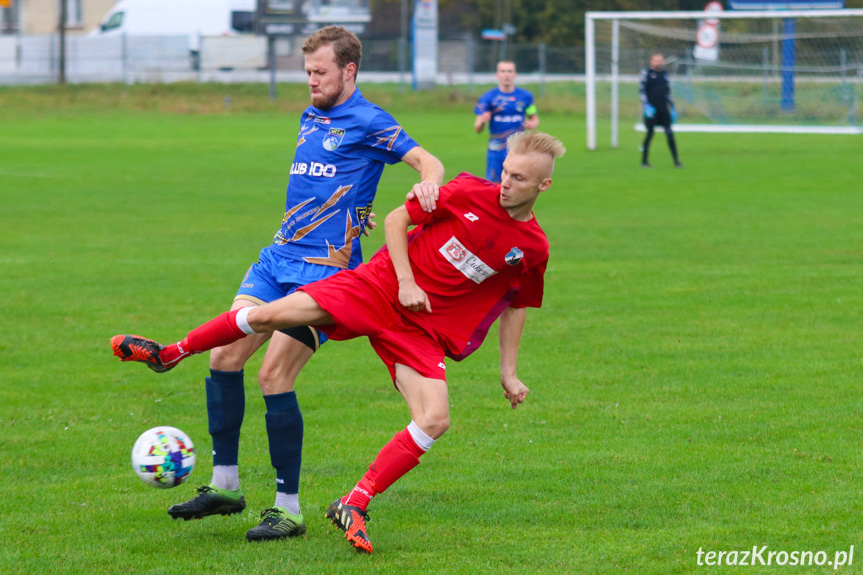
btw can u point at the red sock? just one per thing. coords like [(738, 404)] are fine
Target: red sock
[(396, 458), (217, 332)]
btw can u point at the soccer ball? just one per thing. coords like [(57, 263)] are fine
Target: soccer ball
[(163, 457)]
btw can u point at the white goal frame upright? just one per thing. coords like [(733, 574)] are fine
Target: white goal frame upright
[(615, 17)]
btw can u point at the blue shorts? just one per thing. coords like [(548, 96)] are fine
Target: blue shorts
[(273, 277), (494, 165)]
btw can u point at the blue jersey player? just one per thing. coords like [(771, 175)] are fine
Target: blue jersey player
[(343, 144), (507, 110)]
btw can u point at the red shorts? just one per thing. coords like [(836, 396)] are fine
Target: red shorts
[(364, 301)]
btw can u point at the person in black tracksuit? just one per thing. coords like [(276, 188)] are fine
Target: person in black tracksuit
[(655, 92)]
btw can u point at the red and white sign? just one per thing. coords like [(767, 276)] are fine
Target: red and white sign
[(707, 36), (715, 7)]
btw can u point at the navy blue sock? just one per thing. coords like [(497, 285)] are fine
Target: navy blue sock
[(285, 433), (226, 405)]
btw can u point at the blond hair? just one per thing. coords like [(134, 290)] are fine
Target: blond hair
[(346, 45), (535, 143)]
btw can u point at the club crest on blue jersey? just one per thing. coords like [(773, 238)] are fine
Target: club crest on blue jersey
[(333, 139), (363, 212), (514, 256)]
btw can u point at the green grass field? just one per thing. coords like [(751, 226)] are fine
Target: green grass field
[(695, 369)]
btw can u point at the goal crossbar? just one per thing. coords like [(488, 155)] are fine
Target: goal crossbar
[(760, 129), (727, 15)]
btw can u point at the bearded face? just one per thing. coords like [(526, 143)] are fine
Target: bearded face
[(327, 85)]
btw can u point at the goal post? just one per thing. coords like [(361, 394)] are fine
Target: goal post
[(794, 71)]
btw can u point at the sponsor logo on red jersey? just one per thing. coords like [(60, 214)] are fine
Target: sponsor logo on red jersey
[(466, 262), (455, 252)]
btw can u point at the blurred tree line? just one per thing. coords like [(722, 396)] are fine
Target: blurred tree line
[(558, 23)]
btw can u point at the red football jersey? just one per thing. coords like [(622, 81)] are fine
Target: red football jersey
[(473, 260)]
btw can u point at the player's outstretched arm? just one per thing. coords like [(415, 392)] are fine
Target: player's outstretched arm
[(411, 296), (531, 122), (431, 172), (481, 121), (511, 328)]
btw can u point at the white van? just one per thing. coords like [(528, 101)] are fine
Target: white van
[(192, 18)]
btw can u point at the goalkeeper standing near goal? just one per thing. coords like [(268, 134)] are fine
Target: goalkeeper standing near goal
[(655, 92)]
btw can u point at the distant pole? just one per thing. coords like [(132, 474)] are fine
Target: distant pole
[(789, 59), (843, 62), (541, 50), (271, 57), (403, 46), (507, 26), (61, 76), (590, 80), (615, 80), (498, 25), (470, 58)]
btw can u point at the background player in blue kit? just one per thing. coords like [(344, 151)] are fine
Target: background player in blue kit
[(655, 93), (343, 144), (507, 110)]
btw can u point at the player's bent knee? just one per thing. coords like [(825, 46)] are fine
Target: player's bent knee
[(275, 380), (297, 309), (434, 424), (227, 359), (264, 318), (268, 381)]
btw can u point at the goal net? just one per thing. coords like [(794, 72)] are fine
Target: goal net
[(796, 71)]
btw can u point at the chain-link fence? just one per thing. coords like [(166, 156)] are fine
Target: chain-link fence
[(245, 58)]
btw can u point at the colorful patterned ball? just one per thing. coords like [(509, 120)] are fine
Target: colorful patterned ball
[(163, 457)]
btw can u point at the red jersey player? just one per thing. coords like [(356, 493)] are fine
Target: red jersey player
[(430, 293)]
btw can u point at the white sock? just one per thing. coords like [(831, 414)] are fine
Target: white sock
[(289, 501), (243, 320), (226, 477), (420, 437)]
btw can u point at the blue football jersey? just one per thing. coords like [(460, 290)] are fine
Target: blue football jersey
[(508, 112), (338, 163)]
